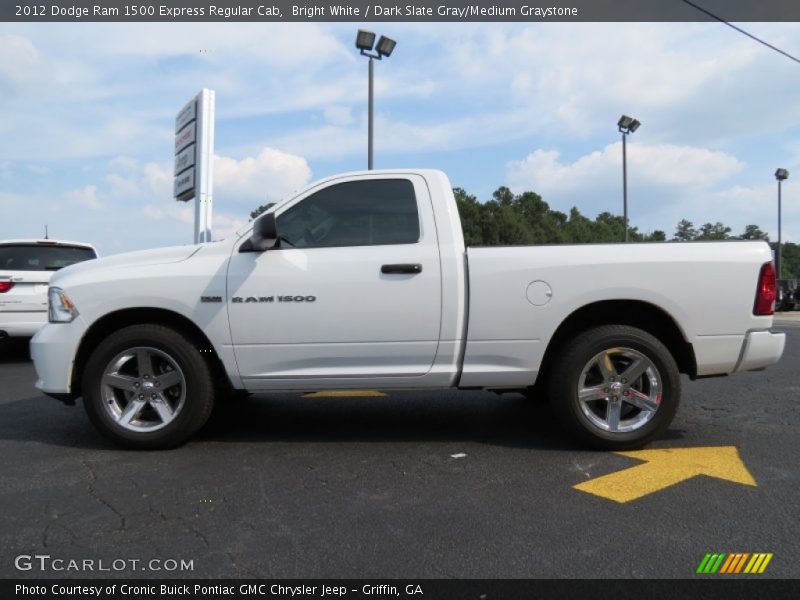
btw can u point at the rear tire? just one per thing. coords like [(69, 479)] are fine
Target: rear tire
[(147, 387), (614, 387)]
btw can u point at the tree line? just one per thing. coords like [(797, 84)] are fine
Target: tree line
[(509, 219), (526, 218)]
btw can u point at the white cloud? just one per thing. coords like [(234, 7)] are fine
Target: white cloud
[(226, 225), (657, 165), (121, 186), (128, 179), (123, 163), (680, 79), (182, 213), (266, 177), (394, 136), (157, 179), (86, 197), (666, 183)]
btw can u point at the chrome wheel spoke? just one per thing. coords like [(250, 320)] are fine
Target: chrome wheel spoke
[(613, 413), (596, 392), (169, 379), (144, 362), (635, 370), (606, 365), (641, 400), (163, 409), (131, 412), (120, 382)]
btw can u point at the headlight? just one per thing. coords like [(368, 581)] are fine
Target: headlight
[(60, 308)]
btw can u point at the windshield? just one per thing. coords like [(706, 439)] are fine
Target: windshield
[(37, 257)]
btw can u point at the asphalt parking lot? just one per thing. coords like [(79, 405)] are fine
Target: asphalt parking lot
[(415, 485)]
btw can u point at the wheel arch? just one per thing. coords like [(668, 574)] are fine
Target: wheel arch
[(117, 320), (634, 313)]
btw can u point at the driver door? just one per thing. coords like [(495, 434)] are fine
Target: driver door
[(351, 296)]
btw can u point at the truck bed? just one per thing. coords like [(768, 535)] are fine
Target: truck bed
[(519, 295)]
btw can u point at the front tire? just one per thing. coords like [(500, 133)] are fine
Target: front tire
[(614, 387), (147, 387)]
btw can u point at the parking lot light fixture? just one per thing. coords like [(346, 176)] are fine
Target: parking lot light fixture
[(626, 126), (781, 175), (385, 46), (365, 42)]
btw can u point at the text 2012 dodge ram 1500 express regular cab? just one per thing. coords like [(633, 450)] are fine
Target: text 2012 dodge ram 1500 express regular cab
[(363, 281)]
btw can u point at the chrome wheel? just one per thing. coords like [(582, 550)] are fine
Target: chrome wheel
[(143, 389), (619, 390)]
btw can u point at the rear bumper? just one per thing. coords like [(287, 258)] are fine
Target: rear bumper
[(761, 349), (22, 324)]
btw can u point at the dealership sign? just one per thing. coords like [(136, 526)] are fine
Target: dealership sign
[(194, 152), (184, 185)]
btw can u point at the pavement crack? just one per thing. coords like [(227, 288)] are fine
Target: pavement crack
[(93, 493)]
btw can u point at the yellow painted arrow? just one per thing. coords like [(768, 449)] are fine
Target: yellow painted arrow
[(663, 468)]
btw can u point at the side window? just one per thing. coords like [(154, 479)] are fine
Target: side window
[(356, 213)]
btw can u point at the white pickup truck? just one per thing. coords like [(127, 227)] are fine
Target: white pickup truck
[(363, 281)]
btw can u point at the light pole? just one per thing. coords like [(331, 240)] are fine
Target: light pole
[(781, 175), (365, 41), (626, 125)]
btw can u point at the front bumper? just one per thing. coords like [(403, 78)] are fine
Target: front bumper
[(53, 350), (761, 349), (22, 324)]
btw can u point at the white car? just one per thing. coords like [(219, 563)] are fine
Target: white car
[(26, 267), (362, 281)]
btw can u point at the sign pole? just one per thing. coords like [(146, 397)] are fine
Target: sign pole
[(205, 185)]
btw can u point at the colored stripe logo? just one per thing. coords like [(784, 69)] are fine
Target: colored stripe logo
[(734, 563)]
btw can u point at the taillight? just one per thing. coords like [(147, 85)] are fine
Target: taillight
[(5, 286), (767, 291)]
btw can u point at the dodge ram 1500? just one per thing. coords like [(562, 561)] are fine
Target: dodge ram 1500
[(363, 281)]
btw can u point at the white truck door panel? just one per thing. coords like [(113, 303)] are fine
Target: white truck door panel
[(346, 318)]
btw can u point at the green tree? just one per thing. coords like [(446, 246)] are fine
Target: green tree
[(469, 209), (503, 196), (261, 209), (578, 228), (685, 231), (790, 257), (753, 232), (610, 228), (714, 231)]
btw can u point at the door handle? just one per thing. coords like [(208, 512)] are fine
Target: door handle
[(401, 268)]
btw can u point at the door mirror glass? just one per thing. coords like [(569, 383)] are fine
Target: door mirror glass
[(265, 233)]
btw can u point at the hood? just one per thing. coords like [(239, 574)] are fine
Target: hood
[(156, 256)]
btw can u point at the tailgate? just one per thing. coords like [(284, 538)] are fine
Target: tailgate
[(26, 291)]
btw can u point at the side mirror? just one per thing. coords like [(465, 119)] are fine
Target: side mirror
[(265, 233)]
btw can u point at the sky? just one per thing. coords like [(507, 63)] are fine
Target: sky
[(87, 115)]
